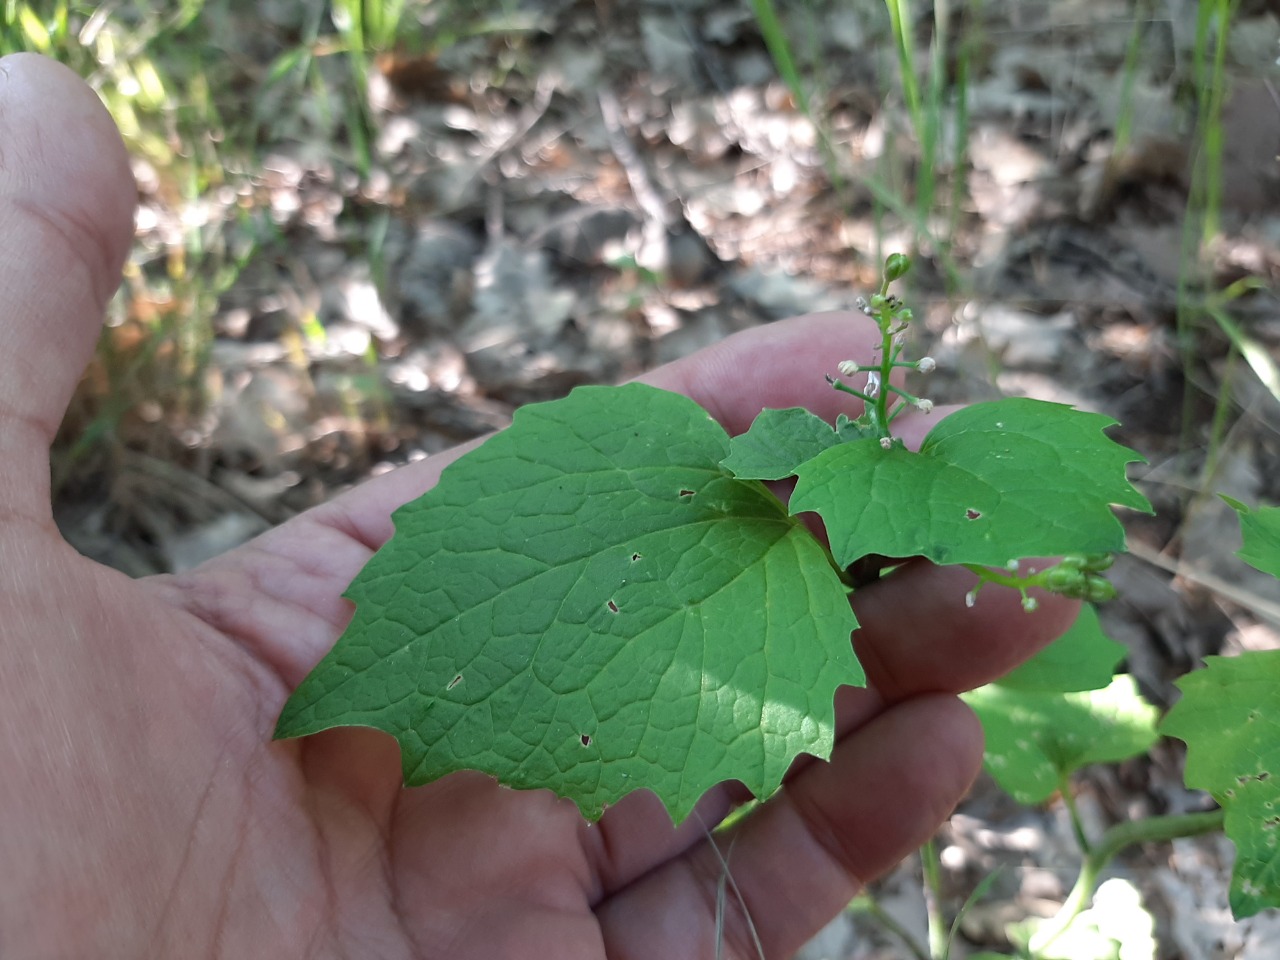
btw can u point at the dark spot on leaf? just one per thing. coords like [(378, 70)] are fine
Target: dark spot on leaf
[(972, 514), (454, 682), (635, 557), (613, 607), (686, 493), (586, 740), (1264, 775)]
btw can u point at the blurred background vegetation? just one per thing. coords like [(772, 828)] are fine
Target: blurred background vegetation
[(255, 127)]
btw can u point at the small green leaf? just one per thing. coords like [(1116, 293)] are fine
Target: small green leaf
[(1261, 531), (1083, 658), (991, 483), (1034, 740), (590, 603), (1229, 716), (778, 441)]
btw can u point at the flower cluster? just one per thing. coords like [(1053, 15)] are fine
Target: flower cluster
[(1074, 576), (1078, 576), (879, 395)]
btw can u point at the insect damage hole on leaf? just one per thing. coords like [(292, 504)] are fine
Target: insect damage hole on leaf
[(613, 607), (585, 739), (454, 682), (972, 514), (685, 494)]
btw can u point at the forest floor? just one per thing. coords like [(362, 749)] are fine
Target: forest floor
[(588, 190)]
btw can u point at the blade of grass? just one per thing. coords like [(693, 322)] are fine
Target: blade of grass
[(779, 47), (900, 23), (775, 41), (1204, 199)]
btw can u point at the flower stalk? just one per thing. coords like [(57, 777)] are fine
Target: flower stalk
[(880, 397)]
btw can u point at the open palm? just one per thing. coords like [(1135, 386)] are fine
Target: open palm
[(144, 810)]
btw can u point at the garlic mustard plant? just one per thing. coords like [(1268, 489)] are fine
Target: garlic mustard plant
[(610, 568)]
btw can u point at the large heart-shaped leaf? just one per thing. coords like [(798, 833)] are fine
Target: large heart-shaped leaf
[(589, 602), (1035, 739), (1229, 715), (991, 483)]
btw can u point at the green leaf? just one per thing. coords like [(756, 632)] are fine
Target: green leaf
[(1083, 658), (1229, 716), (589, 603), (778, 441), (1035, 740), (1261, 531), (991, 483)]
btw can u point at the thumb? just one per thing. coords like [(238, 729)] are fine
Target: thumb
[(66, 219)]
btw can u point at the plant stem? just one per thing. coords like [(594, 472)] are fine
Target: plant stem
[(1077, 826), (884, 320), (1149, 830), (868, 904), (938, 933)]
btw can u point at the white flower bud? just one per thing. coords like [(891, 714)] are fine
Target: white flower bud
[(848, 368), (899, 340), (971, 598), (873, 384), (1029, 604), (926, 364), (924, 406), (886, 443)]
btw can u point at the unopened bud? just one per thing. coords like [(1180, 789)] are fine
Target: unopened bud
[(895, 266), (886, 443), (848, 368), (1029, 604), (1062, 579), (926, 365), (971, 598), (1100, 591), (924, 406)]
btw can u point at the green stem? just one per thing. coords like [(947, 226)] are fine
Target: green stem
[(1077, 825), (909, 397), (938, 933), (1120, 836), (867, 904), (845, 388), (884, 320)]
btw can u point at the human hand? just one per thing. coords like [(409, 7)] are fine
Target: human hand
[(144, 810)]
